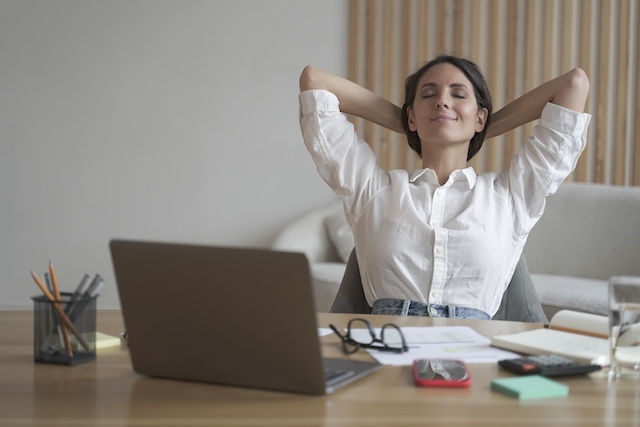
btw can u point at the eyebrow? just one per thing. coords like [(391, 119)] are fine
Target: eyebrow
[(452, 85)]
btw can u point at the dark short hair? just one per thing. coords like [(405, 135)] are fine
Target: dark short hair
[(480, 88)]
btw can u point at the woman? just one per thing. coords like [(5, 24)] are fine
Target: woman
[(442, 241)]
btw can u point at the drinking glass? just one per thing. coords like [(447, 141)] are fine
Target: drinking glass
[(624, 327)]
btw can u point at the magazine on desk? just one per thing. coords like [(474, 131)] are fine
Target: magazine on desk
[(579, 336)]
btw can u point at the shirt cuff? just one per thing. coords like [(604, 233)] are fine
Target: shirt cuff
[(565, 120), (318, 100)]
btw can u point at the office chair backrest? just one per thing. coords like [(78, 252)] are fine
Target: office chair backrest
[(520, 301)]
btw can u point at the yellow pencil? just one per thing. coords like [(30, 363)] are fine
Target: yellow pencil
[(56, 294), (63, 317)]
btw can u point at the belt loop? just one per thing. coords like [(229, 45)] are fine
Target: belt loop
[(453, 313), (406, 304)]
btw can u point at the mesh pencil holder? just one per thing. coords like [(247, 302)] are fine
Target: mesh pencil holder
[(64, 331)]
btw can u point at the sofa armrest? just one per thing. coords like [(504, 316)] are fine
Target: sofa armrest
[(308, 234)]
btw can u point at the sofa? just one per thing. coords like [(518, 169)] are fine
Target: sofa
[(588, 233)]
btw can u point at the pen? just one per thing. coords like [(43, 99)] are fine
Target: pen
[(92, 291), (77, 294), (94, 287), (47, 280), (63, 317), (56, 293)]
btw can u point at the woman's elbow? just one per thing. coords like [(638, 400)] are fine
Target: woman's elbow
[(575, 90), (309, 78), (580, 81)]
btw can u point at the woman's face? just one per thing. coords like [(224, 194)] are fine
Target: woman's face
[(445, 110)]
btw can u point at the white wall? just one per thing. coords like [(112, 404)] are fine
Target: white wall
[(162, 120)]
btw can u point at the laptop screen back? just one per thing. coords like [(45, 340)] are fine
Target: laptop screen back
[(233, 316)]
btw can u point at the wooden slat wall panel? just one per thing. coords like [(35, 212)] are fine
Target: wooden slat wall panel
[(518, 44)]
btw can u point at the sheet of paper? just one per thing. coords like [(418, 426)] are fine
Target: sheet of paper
[(324, 331), (440, 342), (468, 353)]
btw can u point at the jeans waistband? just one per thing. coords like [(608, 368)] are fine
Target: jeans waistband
[(400, 307)]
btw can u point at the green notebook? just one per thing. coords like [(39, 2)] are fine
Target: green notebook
[(530, 387)]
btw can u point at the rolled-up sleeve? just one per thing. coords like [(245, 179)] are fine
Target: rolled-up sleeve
[(545, 160), (345, 162)]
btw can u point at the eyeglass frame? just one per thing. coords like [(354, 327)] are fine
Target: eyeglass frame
[(347, 340)]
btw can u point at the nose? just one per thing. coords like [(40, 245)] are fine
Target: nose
[(442, 102)]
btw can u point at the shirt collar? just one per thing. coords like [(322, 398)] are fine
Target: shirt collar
[(467, 175)]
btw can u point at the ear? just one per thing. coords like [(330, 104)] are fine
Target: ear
[(411, 119), (482, 119)]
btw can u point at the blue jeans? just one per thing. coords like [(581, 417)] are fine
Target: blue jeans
[(407, 307)]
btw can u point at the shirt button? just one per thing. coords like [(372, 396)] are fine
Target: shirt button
[(439, 250), (436, 295)]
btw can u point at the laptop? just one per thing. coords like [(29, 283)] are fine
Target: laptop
[(225, 315)]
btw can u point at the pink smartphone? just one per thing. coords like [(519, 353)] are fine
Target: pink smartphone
[(440, 373)]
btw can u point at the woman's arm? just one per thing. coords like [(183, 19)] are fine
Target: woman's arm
[(570, 90), (354, 99)]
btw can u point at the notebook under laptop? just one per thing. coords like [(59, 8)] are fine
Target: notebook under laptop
[(233, 316)]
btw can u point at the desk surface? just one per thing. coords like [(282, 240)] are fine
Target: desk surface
[(107, 392)]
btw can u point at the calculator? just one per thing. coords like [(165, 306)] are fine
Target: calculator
[(548, 365)]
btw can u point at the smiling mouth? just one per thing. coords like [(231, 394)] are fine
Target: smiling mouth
[(443, 119)]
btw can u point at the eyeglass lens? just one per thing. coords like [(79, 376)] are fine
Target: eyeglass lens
[(361, 331), (392, 337)]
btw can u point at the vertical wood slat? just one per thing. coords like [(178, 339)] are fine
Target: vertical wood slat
[(477, 46), (601, 36), (635, 180), (459, 33), (372, 49), (567, 60), (602, 121), (548, 38), (440, 27), (409, 61), (494, 77), (478, 11), (622, 93), (422, 47), (511, 78), (531, 48), (567, 51), (387, 83), (355, 43), (585, 58)]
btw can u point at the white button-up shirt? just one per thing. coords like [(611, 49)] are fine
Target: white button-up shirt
[(457, 243)]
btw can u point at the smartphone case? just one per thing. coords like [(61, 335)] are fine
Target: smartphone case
[(440, 373)]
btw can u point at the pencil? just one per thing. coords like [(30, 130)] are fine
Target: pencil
[(63, 317), (56, 294)]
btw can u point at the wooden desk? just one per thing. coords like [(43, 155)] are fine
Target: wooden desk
[(107, 392)]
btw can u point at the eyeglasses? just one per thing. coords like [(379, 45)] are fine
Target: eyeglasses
[(360, 334)]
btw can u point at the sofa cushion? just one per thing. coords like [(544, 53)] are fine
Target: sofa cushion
[(571, 293), (340, 234), (326, 281), (587, 230)]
